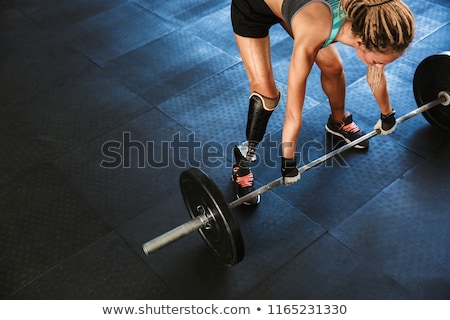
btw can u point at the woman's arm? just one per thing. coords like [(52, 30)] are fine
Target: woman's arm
[(310, 29), (377, 82), (299, 69)]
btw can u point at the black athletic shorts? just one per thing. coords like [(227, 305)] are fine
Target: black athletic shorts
[(252, 18)]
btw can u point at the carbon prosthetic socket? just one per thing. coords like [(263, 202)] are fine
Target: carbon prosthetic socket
[(259, 111)]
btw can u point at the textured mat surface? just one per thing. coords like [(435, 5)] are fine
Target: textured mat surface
[(43, 222), (104, 103)]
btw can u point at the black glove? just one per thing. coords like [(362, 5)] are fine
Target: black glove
[(289, 170), (386, 124)]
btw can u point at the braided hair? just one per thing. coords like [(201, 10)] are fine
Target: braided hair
[(383, 25)]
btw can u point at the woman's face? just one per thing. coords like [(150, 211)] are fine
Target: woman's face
[(376, 62), (376, 59)]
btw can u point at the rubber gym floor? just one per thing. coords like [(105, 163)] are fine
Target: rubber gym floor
[(104, 103)]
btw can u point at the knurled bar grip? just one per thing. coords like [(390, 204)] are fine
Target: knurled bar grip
[(175, 234), (443, 97)]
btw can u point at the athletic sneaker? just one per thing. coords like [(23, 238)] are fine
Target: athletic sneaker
[(242, 178), (347, 130)]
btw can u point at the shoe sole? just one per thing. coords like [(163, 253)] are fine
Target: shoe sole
[(344, 138), (250, 203)]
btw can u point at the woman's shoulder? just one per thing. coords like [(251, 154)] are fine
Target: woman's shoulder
[(312, 22)]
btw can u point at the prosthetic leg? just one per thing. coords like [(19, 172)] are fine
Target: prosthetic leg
[(259, 111)]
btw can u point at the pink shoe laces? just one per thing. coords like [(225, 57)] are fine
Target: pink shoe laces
[(351, 127), (244, 181)]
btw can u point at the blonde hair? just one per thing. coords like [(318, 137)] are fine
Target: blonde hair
[(383, 25), (374, 76)]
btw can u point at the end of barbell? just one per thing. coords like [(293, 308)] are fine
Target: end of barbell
[(148, 248), (444, 96)]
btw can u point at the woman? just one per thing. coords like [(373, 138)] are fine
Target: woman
[(378, 30)]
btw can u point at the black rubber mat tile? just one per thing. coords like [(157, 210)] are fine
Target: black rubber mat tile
[(272, 235), (107, 269), (433, 173), (354, 181), (217, 114), (46, 62), (216, 29), (438, 39), (418, 52), (329, 270), (16, 29), (179, 61), (117, 31), (404, 229), (443, 3), (19, 155), (4, 4), (129, 169), (57, 15), (182, 12), (429, 17), (14, 87), (65, 117), (428, 46), (43, 222)]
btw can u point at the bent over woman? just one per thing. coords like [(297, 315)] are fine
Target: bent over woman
[(378, 30)]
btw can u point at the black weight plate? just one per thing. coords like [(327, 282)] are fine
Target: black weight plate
[(223, 235), (432, 76)]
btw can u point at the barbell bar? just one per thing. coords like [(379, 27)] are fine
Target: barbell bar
[(211, 215), (443, 98)]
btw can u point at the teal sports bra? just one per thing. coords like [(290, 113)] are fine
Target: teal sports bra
[(290, 7)]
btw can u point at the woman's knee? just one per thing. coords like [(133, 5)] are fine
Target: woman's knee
[(332, 69), (330, 63)]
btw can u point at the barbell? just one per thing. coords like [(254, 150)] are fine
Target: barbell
[(212, 216)]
